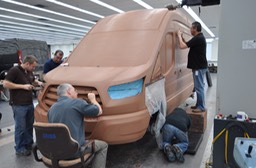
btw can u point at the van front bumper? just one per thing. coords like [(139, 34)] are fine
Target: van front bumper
[(114, 129)]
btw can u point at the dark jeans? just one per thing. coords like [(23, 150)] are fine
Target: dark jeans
[(24, 119)]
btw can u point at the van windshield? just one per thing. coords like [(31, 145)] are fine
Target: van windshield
[(121, 48)]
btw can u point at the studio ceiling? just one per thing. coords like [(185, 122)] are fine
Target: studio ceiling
[(50, 21)]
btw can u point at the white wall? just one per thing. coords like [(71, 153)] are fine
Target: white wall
[(236, 64), (215, 50), (212, 52)]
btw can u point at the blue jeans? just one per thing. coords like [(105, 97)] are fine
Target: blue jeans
[(101, 149), (24, 119), (170, 132), (198, 76)]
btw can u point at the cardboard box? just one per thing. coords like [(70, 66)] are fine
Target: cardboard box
[(199, 121)]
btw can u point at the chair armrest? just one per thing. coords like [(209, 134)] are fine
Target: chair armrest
[(89, 147), (34, 150)]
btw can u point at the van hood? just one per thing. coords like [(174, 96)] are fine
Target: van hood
[(92, 76)]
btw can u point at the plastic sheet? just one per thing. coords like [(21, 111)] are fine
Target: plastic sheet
[(156, 101)]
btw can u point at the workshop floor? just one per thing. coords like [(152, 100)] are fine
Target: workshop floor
[(140, 154)]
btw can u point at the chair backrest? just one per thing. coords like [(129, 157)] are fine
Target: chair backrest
[(54, 141)]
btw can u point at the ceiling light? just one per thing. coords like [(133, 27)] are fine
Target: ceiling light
[(44, 28), (42, 17), (75, 8), (42, 23), (145, 5), (48, 11), (194, 15), (107, 6)]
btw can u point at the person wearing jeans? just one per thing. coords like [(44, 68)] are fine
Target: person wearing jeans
[(23, 126), (198, 76), (175, 136), (71, 110), (20, 80), (196, 61)]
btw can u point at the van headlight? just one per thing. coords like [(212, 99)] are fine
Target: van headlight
[(125, 90)]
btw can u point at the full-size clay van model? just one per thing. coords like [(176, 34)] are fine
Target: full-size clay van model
[(116, 60)]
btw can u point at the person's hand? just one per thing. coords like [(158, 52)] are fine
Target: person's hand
[(91, 97), (179, 33), (41, 84), (28, 87)]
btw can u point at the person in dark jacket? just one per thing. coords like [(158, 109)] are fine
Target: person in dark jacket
[(176, 128), (54, 62)]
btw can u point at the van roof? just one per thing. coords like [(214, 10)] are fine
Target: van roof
[(127, 39)]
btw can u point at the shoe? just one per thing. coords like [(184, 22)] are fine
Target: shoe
[(169, 153), (178, 154), (24, 152), (197, 110), (29, 147), (193, 107)]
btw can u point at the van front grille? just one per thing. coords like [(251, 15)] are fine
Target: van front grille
[(51, 97)]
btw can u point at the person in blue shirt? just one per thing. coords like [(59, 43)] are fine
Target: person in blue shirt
[(54, 62), (71, 111)]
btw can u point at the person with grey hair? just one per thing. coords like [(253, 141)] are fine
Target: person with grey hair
[(71, 111), (197, 62), (20, 80)]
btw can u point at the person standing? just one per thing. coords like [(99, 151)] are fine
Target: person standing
[(197, 62), (20, 80), (176, 128), (54, 62), (71, 111)]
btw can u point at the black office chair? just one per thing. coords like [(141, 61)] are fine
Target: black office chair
[(58, 148)]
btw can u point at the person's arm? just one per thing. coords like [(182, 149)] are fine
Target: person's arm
[(39, 83), (11, 85), (91, 97), (182, 42)]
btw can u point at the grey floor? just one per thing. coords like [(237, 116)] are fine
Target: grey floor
[(140, 154)]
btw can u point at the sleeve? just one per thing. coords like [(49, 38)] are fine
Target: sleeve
[(46, 67), (89, 110), (11, 75), (192, 42)]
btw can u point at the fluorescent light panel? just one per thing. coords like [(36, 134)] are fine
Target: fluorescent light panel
[(36, 30), (75, 8), (43, 28), (48, 11), (107, 6), (42, 23), (25, 32), (145, 5), (194, 15), (42, 17)]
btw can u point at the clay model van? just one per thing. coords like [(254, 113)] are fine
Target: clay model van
[(116, 60)]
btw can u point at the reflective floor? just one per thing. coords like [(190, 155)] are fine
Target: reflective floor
[(140, 154)]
